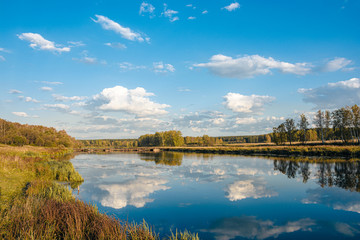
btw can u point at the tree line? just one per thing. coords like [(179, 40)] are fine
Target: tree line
[(23, 134), (341, 124)]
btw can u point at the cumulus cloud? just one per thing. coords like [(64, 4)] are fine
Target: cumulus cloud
[(134, 192), (146, 8), (40, 43), (250, 66), (200, 122), (46, 89), (30, 99), (160, 67), (133, 101), (251, 228), (14, 91), (205, 12), (246, 104), (171, 14), (333, 95), (125, 32), (232, 6), (191, 18), (58, 97), (116, 45), (248, 189)]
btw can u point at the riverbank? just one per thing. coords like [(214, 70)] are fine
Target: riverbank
[(33, 205), (272, 150)]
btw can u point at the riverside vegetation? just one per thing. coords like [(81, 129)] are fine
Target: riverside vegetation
[(36, 202)]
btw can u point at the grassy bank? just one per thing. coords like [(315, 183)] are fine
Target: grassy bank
[(33, 205), (318, 151)]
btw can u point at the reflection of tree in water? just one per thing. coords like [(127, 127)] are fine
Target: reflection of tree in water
[(345, 175), (164, 158)]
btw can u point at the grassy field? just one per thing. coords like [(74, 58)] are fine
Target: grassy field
[(33, 205)]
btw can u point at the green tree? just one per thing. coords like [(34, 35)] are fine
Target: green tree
[(303, 126), (319, 123), (290, 128)]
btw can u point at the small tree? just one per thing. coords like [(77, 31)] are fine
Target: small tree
[(303, 126), (319, 123), (290, 128)]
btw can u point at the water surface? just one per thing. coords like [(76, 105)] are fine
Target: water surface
[(226, 197)]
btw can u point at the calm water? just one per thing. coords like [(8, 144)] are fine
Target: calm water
[(226, 197)]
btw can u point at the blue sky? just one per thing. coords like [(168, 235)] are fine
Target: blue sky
[(119, 69)]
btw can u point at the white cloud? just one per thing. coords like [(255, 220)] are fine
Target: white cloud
[(333, 95), (76, 44), (250, 66), (64, 98), (336, 64), (47, 89), (30, 99), (52, 83), (171, 14), (125, 32), (59, 106), (88, 60), (116, 45), (232, 6), (248, 189), (20, 114), (14, 91), (126, 66), (191, 18), (38, 42), (24, 114), (182, 89), (146, 8), (134, 192), (4, 50), (246, 120), (205, 12), (246, 104), (2, 58), (133, 101), (160, 67)]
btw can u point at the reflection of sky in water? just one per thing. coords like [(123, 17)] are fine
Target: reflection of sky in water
[(222, 196)]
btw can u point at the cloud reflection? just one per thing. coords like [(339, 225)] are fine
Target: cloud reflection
[(250, 227), (132, 192), (248, 189), (336, 198)]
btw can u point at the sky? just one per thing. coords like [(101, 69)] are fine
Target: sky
[(121, 69)]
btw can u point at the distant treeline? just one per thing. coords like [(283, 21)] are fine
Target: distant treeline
[(341, 124), (22, 134), (174, 139), (113, 143)]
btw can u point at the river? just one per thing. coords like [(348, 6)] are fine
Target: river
[(225, 197)]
